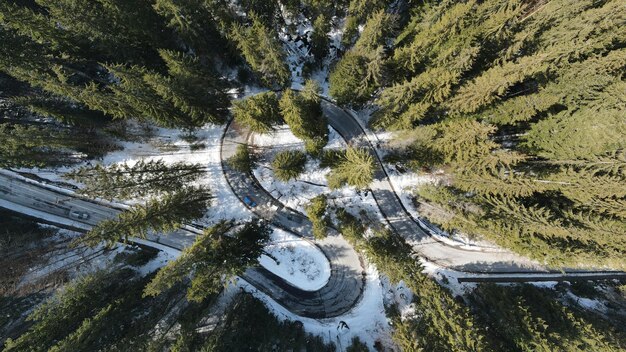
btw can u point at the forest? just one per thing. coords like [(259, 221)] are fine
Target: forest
[(513, 111)]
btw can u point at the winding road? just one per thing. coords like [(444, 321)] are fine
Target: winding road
[(347, 280)]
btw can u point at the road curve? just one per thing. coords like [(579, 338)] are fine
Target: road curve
[(346, 283), (480, 260), (340, 294), (347, 280)]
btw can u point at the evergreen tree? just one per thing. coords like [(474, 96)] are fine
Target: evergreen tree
[(138, 99), (62, 110), (36, 26), (191, 88), (316, 212), (62, 314), (259, 112), (116, 27), (526, 319), (288, 164), (222, 252), (242, 160), (124, 181), (303, 114), (260, 47), (355, 169), (443, 324), (27, 145), (266, 10), (361, 70), (248, 325), (359, 10), (162, 215), (320, 40), (195, 22)]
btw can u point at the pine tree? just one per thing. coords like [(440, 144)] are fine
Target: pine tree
[(260, 47), (361, 70), (260, 113), (222, 252), (195, 22), (62, 110), (25, 145), (266, 10), (359, 10), (355, 169), (191, 88), (124, 181), (138, 99), (525, 318), (63, 313), (242, 160), (303, 114), (116, 27), (320, 40), (288, 164), (162, 215), (443, 324), (316, 212), (36, 26)]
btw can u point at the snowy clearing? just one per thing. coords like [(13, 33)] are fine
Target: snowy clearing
[(367, 319), (297, 193), (170, 146), (297, 261)]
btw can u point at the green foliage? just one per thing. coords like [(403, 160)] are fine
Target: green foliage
[(96, 312), (141, 94), (358, 10), (248, 325), (266, 10), (65, 312), (360, 72), (288, 164), (316, 212), (320, 40), (522, 105), (443, 324), (242, 160), (524, 318), (260, 47), (193, 20), (63, 111), (116, 27), (60, 46), (356, 169), (162, 215), (123, 181), (303, 113), (259, 112), (25, 145), (191, 88), (222, 252)]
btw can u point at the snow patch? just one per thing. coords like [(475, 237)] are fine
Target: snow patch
[(367, 319), (297, 261)]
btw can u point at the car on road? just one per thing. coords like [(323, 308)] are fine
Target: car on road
[(80, 215), (249, 201)]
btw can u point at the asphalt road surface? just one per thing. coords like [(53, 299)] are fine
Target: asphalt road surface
[(347, 279)]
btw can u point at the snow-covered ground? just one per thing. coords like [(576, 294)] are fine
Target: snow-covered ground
[(301, 263), (170, 146), (297, 193), (367, 319)]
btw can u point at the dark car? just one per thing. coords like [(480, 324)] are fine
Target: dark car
[(79, 215)]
